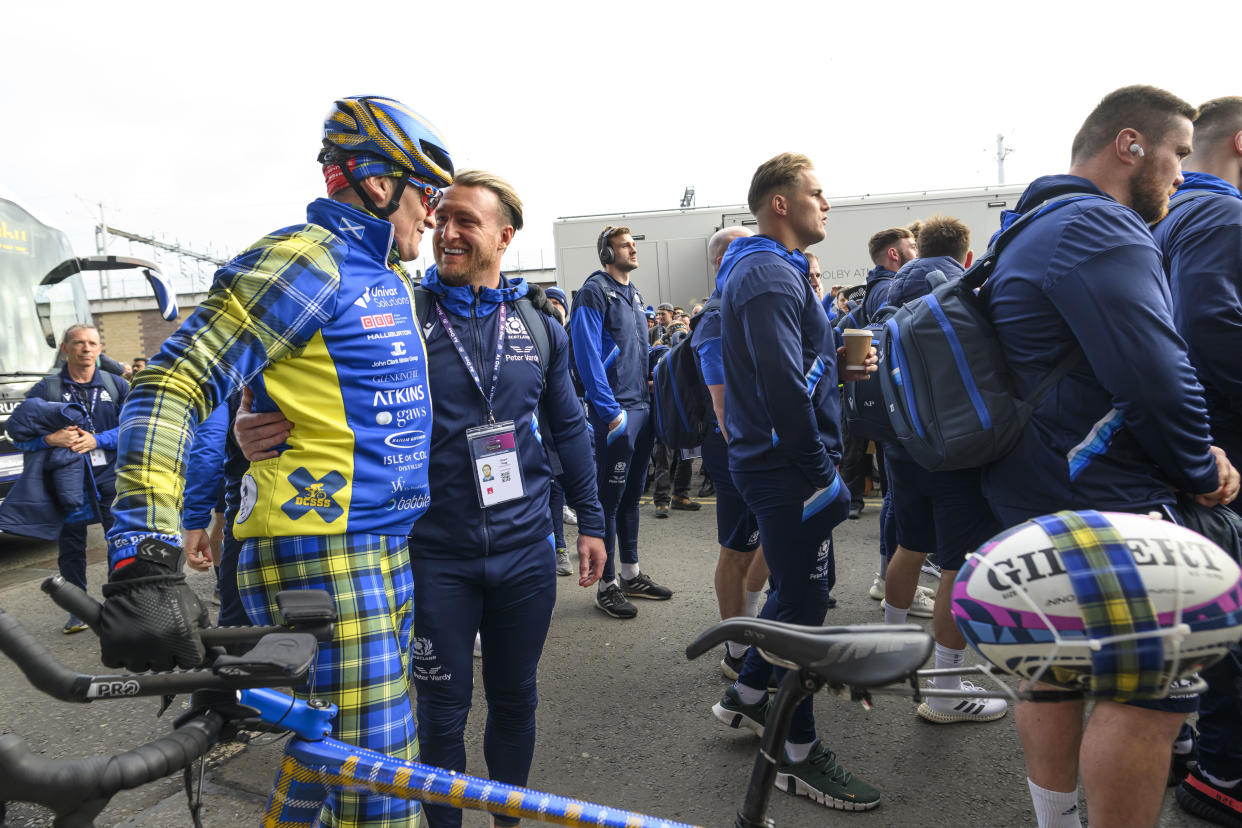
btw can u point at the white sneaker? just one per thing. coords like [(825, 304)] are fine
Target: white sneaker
[(929, 591), (931, 568), (923, 605), (570, 515), (877, 588), (947, 710), (478, 646)]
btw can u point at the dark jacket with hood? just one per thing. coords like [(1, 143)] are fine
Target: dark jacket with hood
[(454, 526)]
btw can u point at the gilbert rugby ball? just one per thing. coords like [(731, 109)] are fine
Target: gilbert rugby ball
[(1020, 607)]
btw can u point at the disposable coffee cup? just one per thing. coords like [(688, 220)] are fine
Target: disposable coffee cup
[(857, 346)]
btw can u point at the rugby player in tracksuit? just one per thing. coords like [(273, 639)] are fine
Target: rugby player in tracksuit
[(609, 330), (782, 414), (737, 531), (942, 512), (1201, 239), (490, 569), (318, 320), (1120, 432)]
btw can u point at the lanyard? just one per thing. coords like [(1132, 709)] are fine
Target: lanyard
[(461, 351), (76, 391)]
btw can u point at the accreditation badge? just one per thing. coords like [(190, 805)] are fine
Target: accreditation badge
[(497, 472), (98, 458)]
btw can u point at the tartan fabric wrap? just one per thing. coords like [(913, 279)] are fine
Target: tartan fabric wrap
[(364, 669), (1113, 601)]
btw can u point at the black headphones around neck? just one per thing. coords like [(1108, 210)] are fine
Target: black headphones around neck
[(603, 248)]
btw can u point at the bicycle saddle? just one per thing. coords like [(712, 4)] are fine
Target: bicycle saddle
[(865, 655)]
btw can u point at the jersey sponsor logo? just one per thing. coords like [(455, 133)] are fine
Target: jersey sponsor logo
[(405, 439), (249, 496), (377, 320), (398, 349), (314, 494), (399, 396)]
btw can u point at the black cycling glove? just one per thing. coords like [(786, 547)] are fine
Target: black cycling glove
[(151, 618)]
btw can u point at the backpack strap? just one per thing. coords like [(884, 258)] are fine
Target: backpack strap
[(53, 388), (1190, 195), (981, 270)]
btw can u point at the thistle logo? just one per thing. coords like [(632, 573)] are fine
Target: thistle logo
[(314, 494)]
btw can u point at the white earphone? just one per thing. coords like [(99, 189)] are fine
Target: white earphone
[(1137, 150)]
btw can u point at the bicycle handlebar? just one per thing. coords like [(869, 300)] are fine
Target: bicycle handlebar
[(76, 790)]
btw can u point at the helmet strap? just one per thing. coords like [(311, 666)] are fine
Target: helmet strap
[(380, 212)]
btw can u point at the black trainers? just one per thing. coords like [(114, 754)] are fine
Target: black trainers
[(730, 666), (1199, 796), (820, 778), (661, 510), (612, 601), (732, 712), (1184, 759), (685, 504), (641, 586)]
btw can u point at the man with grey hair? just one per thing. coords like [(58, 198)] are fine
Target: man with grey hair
[(740, 573), (100, 395)]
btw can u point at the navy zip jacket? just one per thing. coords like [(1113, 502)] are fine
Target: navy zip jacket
[(103, 416), (879, 283), (1127, 421), (782, 407), (609, 329), (56, 486), (454, 526), (1202, 244)]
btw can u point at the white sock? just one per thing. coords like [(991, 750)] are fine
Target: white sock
[(736, 650), (948, 659), (603, 585), (753, 601), (629, 571), (1054, 809), (894, 615), (749, 695), (798, 752)]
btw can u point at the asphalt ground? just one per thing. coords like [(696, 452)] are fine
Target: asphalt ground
[(624, 718)]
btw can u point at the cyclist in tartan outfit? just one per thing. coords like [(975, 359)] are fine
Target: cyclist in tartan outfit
[(317, 321)]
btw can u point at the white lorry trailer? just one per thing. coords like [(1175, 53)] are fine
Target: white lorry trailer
[(672, 244)]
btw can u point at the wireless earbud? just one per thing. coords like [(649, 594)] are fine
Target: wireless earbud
[(1135, 149)]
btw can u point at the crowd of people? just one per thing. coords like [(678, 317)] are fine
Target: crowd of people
[(414, 449)]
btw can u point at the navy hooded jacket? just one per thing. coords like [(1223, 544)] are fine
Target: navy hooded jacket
[(1129, 420), (782, 407), (56, 486), (454, 526), (1202, 244), (609, 329)]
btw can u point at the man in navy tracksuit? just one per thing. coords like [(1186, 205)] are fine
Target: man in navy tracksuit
[(782, 415), (1201, 239), (942, 512), (889, 251), (490, 567), (1125, 425), (740, 573), (609, 329)]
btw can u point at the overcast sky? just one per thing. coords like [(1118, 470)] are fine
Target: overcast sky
[(200, 122)]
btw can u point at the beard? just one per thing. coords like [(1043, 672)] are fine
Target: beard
[(464, 271), (1148, 197)]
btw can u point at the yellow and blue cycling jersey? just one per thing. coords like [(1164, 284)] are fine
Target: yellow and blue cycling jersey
[(317, 319)]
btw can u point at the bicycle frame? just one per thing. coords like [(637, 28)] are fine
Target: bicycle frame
[(314, 765)]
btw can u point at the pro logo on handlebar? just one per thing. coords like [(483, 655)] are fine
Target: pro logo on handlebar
[(111, 689)]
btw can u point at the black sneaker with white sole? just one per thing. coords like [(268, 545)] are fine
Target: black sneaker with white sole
[(611, 600), (821, 779), (641, 586)]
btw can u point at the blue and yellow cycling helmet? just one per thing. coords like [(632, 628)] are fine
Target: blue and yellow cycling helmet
[(369, 135)]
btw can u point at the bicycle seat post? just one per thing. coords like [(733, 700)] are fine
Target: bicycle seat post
[(796, 686)]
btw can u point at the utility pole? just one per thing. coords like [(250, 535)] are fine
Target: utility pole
[(1001, 152)]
